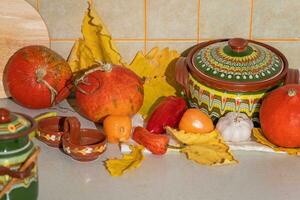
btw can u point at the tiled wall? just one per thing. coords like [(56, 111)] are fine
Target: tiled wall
[(178, 24)]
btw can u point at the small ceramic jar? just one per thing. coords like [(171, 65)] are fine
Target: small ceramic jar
[(18, 167), (232, 75)]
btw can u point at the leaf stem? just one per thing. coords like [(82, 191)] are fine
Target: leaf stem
[(175, 147)]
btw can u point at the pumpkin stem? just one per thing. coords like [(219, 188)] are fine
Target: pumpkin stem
[(40, 74), (99, 67), (292, 92), (52, 91)]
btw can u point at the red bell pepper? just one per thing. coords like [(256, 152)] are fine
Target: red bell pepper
[(155, 143), (167, 113)]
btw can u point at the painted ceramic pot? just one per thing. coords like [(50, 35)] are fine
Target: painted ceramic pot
[(227, 75), (18, 169), (50, 130), (82, 144)]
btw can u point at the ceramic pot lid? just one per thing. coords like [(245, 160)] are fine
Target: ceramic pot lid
[(238, 62), (13, 125)]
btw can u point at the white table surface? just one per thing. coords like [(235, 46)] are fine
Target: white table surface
[(258, 176)]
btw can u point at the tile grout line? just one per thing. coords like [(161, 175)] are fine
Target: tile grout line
[(62, 39), (38, 3), (145, 26), (278, 39), (172, 39), (176, 39), (251, 19), (198, 21)]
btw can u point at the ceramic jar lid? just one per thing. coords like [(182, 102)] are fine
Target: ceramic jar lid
[(14, 125), (238, 62)]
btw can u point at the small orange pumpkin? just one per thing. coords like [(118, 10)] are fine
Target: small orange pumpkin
[(117, 128)]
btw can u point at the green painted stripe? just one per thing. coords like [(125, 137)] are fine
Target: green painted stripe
[(16, 151), (20, 158), (13, 144)]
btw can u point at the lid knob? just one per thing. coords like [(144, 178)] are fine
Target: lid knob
[(238, 44), (4, 116)]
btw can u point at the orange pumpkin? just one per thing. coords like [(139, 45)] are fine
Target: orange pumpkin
[(117, 128), (280, 116), (114, 90)]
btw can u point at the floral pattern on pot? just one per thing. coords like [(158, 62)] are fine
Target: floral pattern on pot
[(49, 137), (216, 103), (256, 63), (84, 151)]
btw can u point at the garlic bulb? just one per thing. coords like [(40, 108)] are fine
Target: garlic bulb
[(235, 127)]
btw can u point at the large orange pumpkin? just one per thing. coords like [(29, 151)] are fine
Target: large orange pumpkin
[(37, 77), (280, 116), (113, 90)]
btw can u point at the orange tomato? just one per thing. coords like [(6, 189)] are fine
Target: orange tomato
[(196, 121), (117, 128)]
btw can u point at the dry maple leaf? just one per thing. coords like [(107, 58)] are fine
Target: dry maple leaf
[(117, 167), (154, 89), (157, 69), (258, 135), (208, 149), (155, 63), (96, 45)]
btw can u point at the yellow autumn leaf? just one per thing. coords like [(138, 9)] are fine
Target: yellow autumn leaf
[(191, 138), (157, 69), (96, 45), (117, 167), (209, 154), (208, 149), (80, 57), (258, 135), (154, 89), (155, 63)]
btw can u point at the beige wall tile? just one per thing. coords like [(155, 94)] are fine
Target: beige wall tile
[(128, 50), (32, 2), (178, 46), (291, 50), (62, 48), (223, 18), (63, 18), (123, 18), (172, 19), (276, 19)]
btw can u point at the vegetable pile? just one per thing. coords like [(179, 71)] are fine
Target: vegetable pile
[(110, 92)]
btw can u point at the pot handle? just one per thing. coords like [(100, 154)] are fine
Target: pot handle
[(182, 75), (292, 76), (72, 129), (16, 174)]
